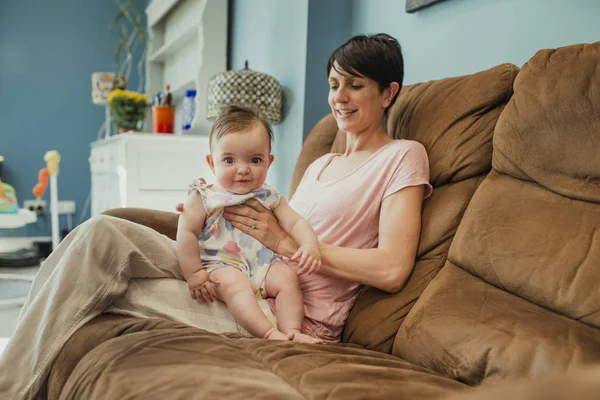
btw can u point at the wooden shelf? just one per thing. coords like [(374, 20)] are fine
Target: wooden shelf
[(175, 44), (178, 92), (179, 88), (152, 136), (157, 10)]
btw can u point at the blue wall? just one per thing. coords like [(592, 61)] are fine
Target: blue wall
[(329, 26), (457, 37), (292, 41), (48, 51), (271, 35), (451, 38)]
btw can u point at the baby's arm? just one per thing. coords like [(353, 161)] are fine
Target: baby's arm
[(191, 222), (298, 228)]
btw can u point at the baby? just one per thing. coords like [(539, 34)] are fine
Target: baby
[(239, 267)]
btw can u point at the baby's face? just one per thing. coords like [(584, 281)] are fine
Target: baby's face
[(240, 160)]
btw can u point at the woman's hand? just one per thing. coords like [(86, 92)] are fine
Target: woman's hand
[(260, 223)]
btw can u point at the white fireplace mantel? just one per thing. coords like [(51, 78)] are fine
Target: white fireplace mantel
[(188, 45)]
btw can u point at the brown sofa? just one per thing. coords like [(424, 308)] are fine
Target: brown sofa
[(504, 300)]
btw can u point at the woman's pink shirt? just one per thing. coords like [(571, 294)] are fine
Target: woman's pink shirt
[(345, 212)]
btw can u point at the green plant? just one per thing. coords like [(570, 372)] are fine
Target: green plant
[(128, 108), (132, 36)]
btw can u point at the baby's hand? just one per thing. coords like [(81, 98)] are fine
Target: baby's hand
[(200, 286), (308, 257), (198, 279)]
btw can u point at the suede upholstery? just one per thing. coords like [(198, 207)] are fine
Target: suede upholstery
[(459, 144), (506, 280), (519, 293)]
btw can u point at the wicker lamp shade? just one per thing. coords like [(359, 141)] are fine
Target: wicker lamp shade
[(245, 88)]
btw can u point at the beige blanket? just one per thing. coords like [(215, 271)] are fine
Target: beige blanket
[(169, 299)]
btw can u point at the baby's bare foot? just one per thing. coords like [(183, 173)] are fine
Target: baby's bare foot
[(275, 334), (303, 338)]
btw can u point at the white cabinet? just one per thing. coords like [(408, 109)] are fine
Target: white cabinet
[(145, 170)]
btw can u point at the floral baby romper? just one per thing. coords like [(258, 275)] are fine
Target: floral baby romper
[(223, 245)]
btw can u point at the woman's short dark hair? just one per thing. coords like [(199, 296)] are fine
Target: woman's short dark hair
[(378, 57)]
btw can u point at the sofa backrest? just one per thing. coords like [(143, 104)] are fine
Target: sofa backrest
[(519, 293), (454, 119)]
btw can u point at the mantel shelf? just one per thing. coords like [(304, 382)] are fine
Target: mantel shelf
[(178, 91), (157, 10), (175, 44)]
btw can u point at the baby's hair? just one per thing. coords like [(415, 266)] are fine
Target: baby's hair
[(237, 119)]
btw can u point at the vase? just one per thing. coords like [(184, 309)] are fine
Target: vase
[(124, 130), (103, 83), (163, 119)]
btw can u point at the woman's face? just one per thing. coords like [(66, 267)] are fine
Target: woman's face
[(356, 102)]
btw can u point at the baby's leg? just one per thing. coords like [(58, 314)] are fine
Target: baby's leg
[(235, 290), (282, 283)]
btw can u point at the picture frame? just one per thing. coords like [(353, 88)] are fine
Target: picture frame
[(416, 5)]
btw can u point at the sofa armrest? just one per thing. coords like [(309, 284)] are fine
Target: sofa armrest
[(161, 221)]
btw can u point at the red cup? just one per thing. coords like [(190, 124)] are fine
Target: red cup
[(163, 119)]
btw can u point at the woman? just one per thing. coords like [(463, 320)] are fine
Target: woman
[(96, 268)]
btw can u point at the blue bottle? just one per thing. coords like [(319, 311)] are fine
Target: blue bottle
[(189, 109)]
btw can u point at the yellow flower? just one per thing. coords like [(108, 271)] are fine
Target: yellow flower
[(142, 97), (126, 94)]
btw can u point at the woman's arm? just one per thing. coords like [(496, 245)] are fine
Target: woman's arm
[(386, 267), (298, 228), (308, 256)]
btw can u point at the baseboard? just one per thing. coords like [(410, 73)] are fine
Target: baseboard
[(16, 243)]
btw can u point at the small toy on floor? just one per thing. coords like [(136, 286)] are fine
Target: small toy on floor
[(8, 199), (40, 188)]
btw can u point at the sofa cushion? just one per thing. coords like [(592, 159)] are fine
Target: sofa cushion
[(550, 132), (538, 245), (473, 331), (161, 221), (454, 119), (318, 143), (579, 384), (119, 357), (519, 294)]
